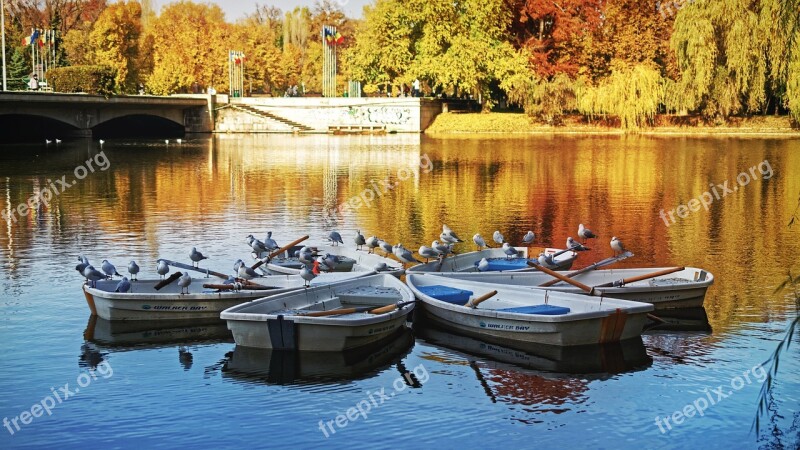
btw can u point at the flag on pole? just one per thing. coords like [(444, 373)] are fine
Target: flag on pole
[(34, 36), (338, 38)]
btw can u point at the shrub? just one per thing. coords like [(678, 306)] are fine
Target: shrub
[(89, 79)]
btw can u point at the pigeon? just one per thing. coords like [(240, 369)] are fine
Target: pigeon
[(428, 253), (405, 255), (162, 268), (478, 240), (270, 243), (372, 243), (359, 239), (585, 233), (196, 256), (483, 265), (93, 275), (184, 281), (246, 273), (529, 237), (449, 236), (335, 238), (133, 269), (123, 286), (109, 269), (617, 246), (572, 244), (498, 237), (386, 247), (509, 250), (307, 275)]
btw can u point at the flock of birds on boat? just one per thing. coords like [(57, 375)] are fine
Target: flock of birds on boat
[(313, 264)]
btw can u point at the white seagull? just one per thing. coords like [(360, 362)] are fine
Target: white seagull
[(133, 269), (162, 268), (246, 273), (93, 275), (585, 233), (572, 244), (184, 281), (359, 240), (109, 269), (498, 237), (509, 250), (617, 246), (196, 256), (478, 240), (123, 286), (428, 253), (372, 243), (443, 249), (307, 275), (84, 262), (306, 255), (270, 243), (449, 236), (386, 247), (529, 237), (405, 255), (335, 238), (546, 260)]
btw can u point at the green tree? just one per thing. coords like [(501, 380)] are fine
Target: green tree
[(19, 68)]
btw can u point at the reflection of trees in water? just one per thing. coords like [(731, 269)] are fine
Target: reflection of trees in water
[(519, 388)]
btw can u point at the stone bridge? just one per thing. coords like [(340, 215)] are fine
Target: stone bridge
[(83, 113)]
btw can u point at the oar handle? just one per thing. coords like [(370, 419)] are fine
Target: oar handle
[(278, 252), (389, 308), (333, 312), (625, 281), (563, 278), (597, 265), (169, 280), (220, 287), (477, 301)]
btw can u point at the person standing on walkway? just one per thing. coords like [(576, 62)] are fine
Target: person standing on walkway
[(33, 84), (415, 92)]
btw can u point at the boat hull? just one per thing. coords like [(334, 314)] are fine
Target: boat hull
[(363, 261), (467, 262)]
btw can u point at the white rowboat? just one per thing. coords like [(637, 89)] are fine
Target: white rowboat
[(498, 261), (352, 260)]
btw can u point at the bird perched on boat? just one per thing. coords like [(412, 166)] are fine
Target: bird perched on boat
[(93, 275), (449, 236), (306, 255), (442, 249), (498, 237), (585, 233), (123, 286), (335, 238), (428, 253), (246, 273), (84, 262), (329, 261), (359, 239), (572, 244), (307, 275), (381, 267), (617, 246), (386, 247), (528, 238), (162, 268), (405, 255), (257, 246), (372, 243), (270, 243), (546, 260), (196, 256), (184, 281), (133, 269), (483, 265), (478, 240), (109, 269), (509, 250)]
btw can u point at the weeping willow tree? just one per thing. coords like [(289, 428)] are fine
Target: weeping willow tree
[(633, 94), (736, 56), (546, 100)]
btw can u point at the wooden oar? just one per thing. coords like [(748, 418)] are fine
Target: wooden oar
[(552, 273), (167, 281), (475, 302), (597, 265), (278, 252), (369, 309), (230, 287), (625, 281), (196, 269)]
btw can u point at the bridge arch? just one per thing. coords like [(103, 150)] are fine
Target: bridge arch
[(33, 127), (138, 125)]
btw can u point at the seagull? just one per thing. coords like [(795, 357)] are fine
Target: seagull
[(162, 268), (246, 273), (478, 240), (509, 250), (335, 238), (123, 286), (166, 141), (529, 237), (101, 143), (585, 233), (483, 265), (257, 246), (381, 267), (133, 269), (236, 265), (47, 142), (307, 275), (546, 260), (442, 249), (93, 275), (331, 261), (405, 255), (359, 239), (373, 242), (82, 265), (196, 256), (306, 255), (428, 253), (386, 247), (498, 237), (184, 281), (58, 141), (270, 243), (109, 269), (572, 244), (448, 235), (617, 246), (180, 141)]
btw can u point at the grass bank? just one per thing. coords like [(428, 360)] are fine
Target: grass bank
[(457, 123)]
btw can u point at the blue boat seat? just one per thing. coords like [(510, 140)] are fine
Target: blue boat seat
[(547, 310), (446, 294), (503, 264)]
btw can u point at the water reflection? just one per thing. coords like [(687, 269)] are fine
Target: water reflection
[(246, 364)]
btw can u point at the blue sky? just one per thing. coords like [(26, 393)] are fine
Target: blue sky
[(235, 9)]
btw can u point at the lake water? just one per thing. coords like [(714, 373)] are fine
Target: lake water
[(187, 385)]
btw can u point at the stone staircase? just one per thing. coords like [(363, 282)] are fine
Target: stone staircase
[(268, 115)]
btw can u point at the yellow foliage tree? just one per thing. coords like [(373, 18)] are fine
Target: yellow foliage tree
[(114, 40)]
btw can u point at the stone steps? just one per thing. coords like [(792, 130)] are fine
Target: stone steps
[(268, 115)]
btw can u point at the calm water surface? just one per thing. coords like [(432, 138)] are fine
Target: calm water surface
[(187, 385)]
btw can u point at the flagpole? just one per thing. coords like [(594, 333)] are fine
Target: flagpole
[(3, 26)]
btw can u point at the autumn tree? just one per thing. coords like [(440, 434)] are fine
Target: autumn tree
[(114, 41), (259, 37)]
